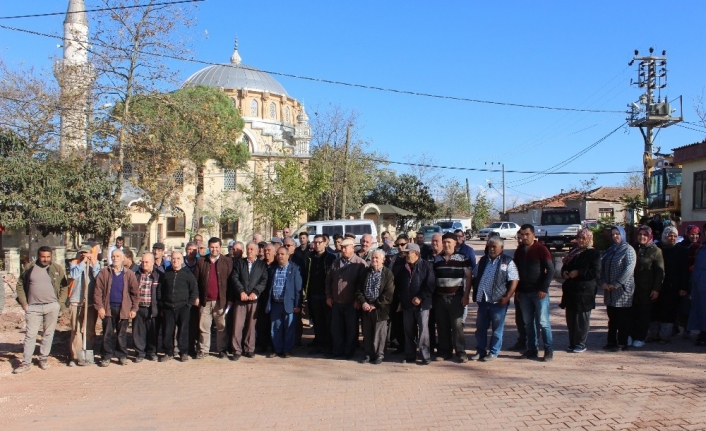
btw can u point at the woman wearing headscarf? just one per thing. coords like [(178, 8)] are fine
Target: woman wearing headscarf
[(649, 274), (674, 286), (580, 270), (616, 279), (691, 244)]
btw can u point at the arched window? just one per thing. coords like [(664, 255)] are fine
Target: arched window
[(273, 111), (286, 114), (253, 108)]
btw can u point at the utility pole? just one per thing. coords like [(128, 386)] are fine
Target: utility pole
[(649, 113), (345, 173), (468, 195), (490, 185)]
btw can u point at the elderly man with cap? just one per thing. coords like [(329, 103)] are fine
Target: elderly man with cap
[(374, 296), (451, 270), (342, 280), (494, 282), (160, 263), (83, 270), (414, 288), (117, 299)]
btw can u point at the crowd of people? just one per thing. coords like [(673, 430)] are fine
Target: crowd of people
[(404, 295)]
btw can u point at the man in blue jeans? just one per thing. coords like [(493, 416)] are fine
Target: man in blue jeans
[(494, 282), (534, 264)]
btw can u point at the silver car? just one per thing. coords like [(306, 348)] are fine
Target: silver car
[(504, 229), (429, 232)]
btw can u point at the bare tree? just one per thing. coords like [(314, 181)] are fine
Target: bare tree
[(130, 48)]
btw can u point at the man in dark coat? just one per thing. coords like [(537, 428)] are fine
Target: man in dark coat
[(248, 281), (414, 287), (177, 294), (374, 296)]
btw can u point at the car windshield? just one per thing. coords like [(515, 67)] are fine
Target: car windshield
[(445, 224), (430, 229), (494, 225)]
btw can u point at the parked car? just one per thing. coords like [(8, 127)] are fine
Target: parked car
[(504, 229), (429, 232), (449, 226)]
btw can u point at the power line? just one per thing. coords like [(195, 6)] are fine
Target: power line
[(690, 128), (700, 126), (499, 170), (549, 171), (37, 15), (333, 82)]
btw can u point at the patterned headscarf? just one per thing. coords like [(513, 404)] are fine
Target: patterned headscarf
[(586, 233), (692, 229), (648, 231), (667, 230)]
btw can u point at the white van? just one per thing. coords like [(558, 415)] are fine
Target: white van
[(358, 227)]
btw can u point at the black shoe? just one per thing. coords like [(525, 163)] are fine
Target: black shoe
[(488, 358), (235, 357), (123, 361), (287, 355), (223, 355), (377, 360), (409, 360), (426, 361), (249, 354), (518, 346), (477, 357), (152, 357), (183, 357), (463, 358), (365, 360), (270, 355), (139, 359), (104, 363), (199, 355), (165, 358), (548, 356), (531, 354)]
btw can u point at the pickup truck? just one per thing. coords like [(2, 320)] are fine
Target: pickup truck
[(558, 227)]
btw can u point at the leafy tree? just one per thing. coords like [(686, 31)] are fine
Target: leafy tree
[(170, 138), (58, 195), (280, 197), (482, 207), (454, 199), (404, 191)]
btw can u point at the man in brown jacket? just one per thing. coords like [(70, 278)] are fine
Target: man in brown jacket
[(117, 299), (212, 274), (341, 284)]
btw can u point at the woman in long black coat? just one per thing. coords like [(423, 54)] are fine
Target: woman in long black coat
[(580, 270), (674, 287)]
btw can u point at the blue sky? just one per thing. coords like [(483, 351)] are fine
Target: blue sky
[(550, 53)]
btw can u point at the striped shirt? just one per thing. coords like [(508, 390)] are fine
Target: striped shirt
[(451, 274)]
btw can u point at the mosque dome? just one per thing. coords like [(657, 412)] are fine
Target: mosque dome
[(235, 75)]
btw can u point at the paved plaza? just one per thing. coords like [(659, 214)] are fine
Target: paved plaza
[(659, 387)]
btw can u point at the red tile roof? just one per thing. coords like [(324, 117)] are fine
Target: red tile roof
[(609, 194)]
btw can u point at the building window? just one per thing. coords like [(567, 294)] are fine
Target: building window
[(176, 226), (700, 190), (229, 180), (127, 169), (253, 108), (286, 114), (605, 213), (234, 101), (273, 111), (179, 177), (229, 229)]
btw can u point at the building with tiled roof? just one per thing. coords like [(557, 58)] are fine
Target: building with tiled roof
[(602, 202)]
